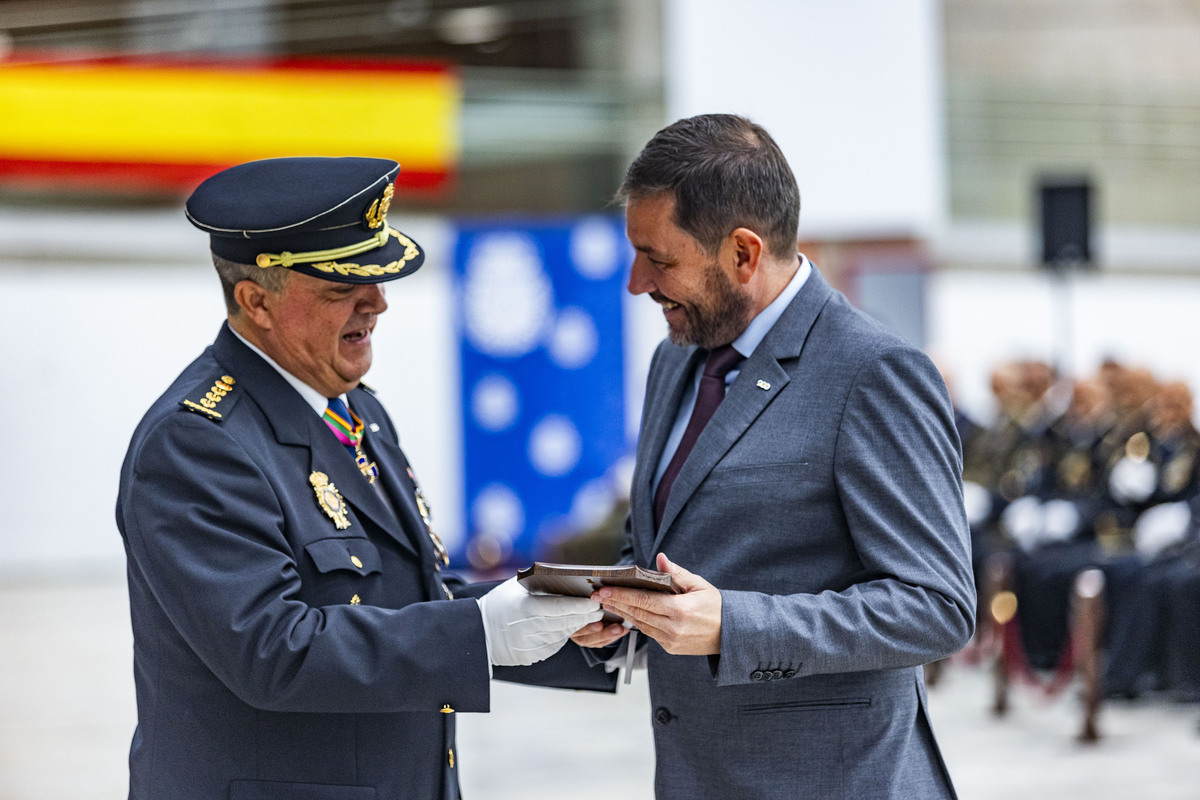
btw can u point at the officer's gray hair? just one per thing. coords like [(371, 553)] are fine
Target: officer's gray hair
[(231, 273)]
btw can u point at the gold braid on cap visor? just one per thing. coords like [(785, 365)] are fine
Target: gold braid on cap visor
[(327, 260)]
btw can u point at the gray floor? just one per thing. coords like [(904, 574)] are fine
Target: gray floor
[(66, 713)]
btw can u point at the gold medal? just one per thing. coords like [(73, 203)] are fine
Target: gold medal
[(365, 465), (330, 499)]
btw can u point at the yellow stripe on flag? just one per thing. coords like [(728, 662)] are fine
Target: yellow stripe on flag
[(226, 114)]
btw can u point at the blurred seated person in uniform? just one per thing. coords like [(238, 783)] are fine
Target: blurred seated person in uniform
[(1052, 526), (1151, 592)]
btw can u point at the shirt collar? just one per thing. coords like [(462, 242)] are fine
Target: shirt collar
[(757, 330), (318, 401)]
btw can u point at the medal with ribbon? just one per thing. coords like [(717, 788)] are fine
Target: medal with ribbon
[(348, 428)]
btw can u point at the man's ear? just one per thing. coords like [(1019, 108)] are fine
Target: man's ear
[(747, 247), (254, 301)]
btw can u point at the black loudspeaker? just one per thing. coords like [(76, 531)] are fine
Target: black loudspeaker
[(1066, 217)]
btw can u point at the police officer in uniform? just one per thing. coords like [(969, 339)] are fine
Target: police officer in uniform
[(295, 635)]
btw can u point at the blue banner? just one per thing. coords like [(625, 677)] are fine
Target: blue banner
[(543, 399)]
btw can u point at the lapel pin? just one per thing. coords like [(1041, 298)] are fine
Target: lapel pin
[(374, 426), (763, 385)]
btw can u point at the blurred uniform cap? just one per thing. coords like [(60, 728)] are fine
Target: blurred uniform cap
[(325, 217)]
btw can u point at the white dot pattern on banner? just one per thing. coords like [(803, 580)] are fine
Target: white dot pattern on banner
[(574, 340), (495, 403), (592, 503), (497, 511), (554, 445), (595, 249), (508, 297)]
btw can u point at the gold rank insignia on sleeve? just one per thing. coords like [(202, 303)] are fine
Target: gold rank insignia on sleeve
[(213, 399), (330, 499)]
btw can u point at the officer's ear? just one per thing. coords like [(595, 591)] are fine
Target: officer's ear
[(254, 300)]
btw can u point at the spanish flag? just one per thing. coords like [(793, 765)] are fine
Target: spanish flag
[(131, 124)]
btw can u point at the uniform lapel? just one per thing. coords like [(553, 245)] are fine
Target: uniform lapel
[(331, 457), (393, 468), (294, 422)]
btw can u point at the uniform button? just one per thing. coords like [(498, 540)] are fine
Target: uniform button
[(757, 675), (356, 600), (767, 675), (662, 715), (791, 673), (777, 674), (355, 561)]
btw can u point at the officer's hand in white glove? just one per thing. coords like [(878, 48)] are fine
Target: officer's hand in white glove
[(523, 628)]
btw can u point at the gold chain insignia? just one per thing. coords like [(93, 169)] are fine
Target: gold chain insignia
[(439, 549), (330, 499), (290, 259), (374, 270), (208, 403), (377, 213)]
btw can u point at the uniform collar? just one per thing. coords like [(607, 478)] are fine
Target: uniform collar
[(312, 397)]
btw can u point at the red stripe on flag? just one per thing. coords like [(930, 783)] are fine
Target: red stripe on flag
[(140, 176)]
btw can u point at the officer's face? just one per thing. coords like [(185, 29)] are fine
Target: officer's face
[(702, 302), (321, 331)]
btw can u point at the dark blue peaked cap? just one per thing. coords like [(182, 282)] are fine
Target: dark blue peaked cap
[(325, 217)]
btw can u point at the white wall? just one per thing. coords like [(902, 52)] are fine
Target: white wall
[(850, 90), (979, 319), (87, 349)]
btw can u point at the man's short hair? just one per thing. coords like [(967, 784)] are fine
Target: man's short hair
[(232, 273), (724, 172)]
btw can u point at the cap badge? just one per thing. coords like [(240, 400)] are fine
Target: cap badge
[(377, 213), (330, 499)]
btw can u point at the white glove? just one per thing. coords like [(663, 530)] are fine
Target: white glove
[(1161, 526), (1023, 521), (523, 628), (1060, 520), (1132, 481), (977, 501)]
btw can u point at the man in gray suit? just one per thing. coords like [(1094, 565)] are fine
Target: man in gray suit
[(821, 501)]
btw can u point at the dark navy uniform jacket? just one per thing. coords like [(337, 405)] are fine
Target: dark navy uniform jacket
[(277, 655)]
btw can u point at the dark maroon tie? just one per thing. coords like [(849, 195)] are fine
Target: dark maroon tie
[(712, 391)]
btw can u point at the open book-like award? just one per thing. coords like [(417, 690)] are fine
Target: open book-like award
[(580, 580)]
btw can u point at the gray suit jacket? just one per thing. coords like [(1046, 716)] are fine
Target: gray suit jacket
[(824, 500)]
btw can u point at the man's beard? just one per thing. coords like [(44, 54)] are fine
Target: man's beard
[(725, 313)]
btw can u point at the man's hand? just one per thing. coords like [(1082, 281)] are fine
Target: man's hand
[(597, 634), (687, 624)]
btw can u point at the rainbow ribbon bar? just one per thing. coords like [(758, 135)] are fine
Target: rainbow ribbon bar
[(348, 433)]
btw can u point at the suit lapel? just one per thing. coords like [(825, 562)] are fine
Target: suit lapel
[(662, 406), (743, 402), (760, 380)]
